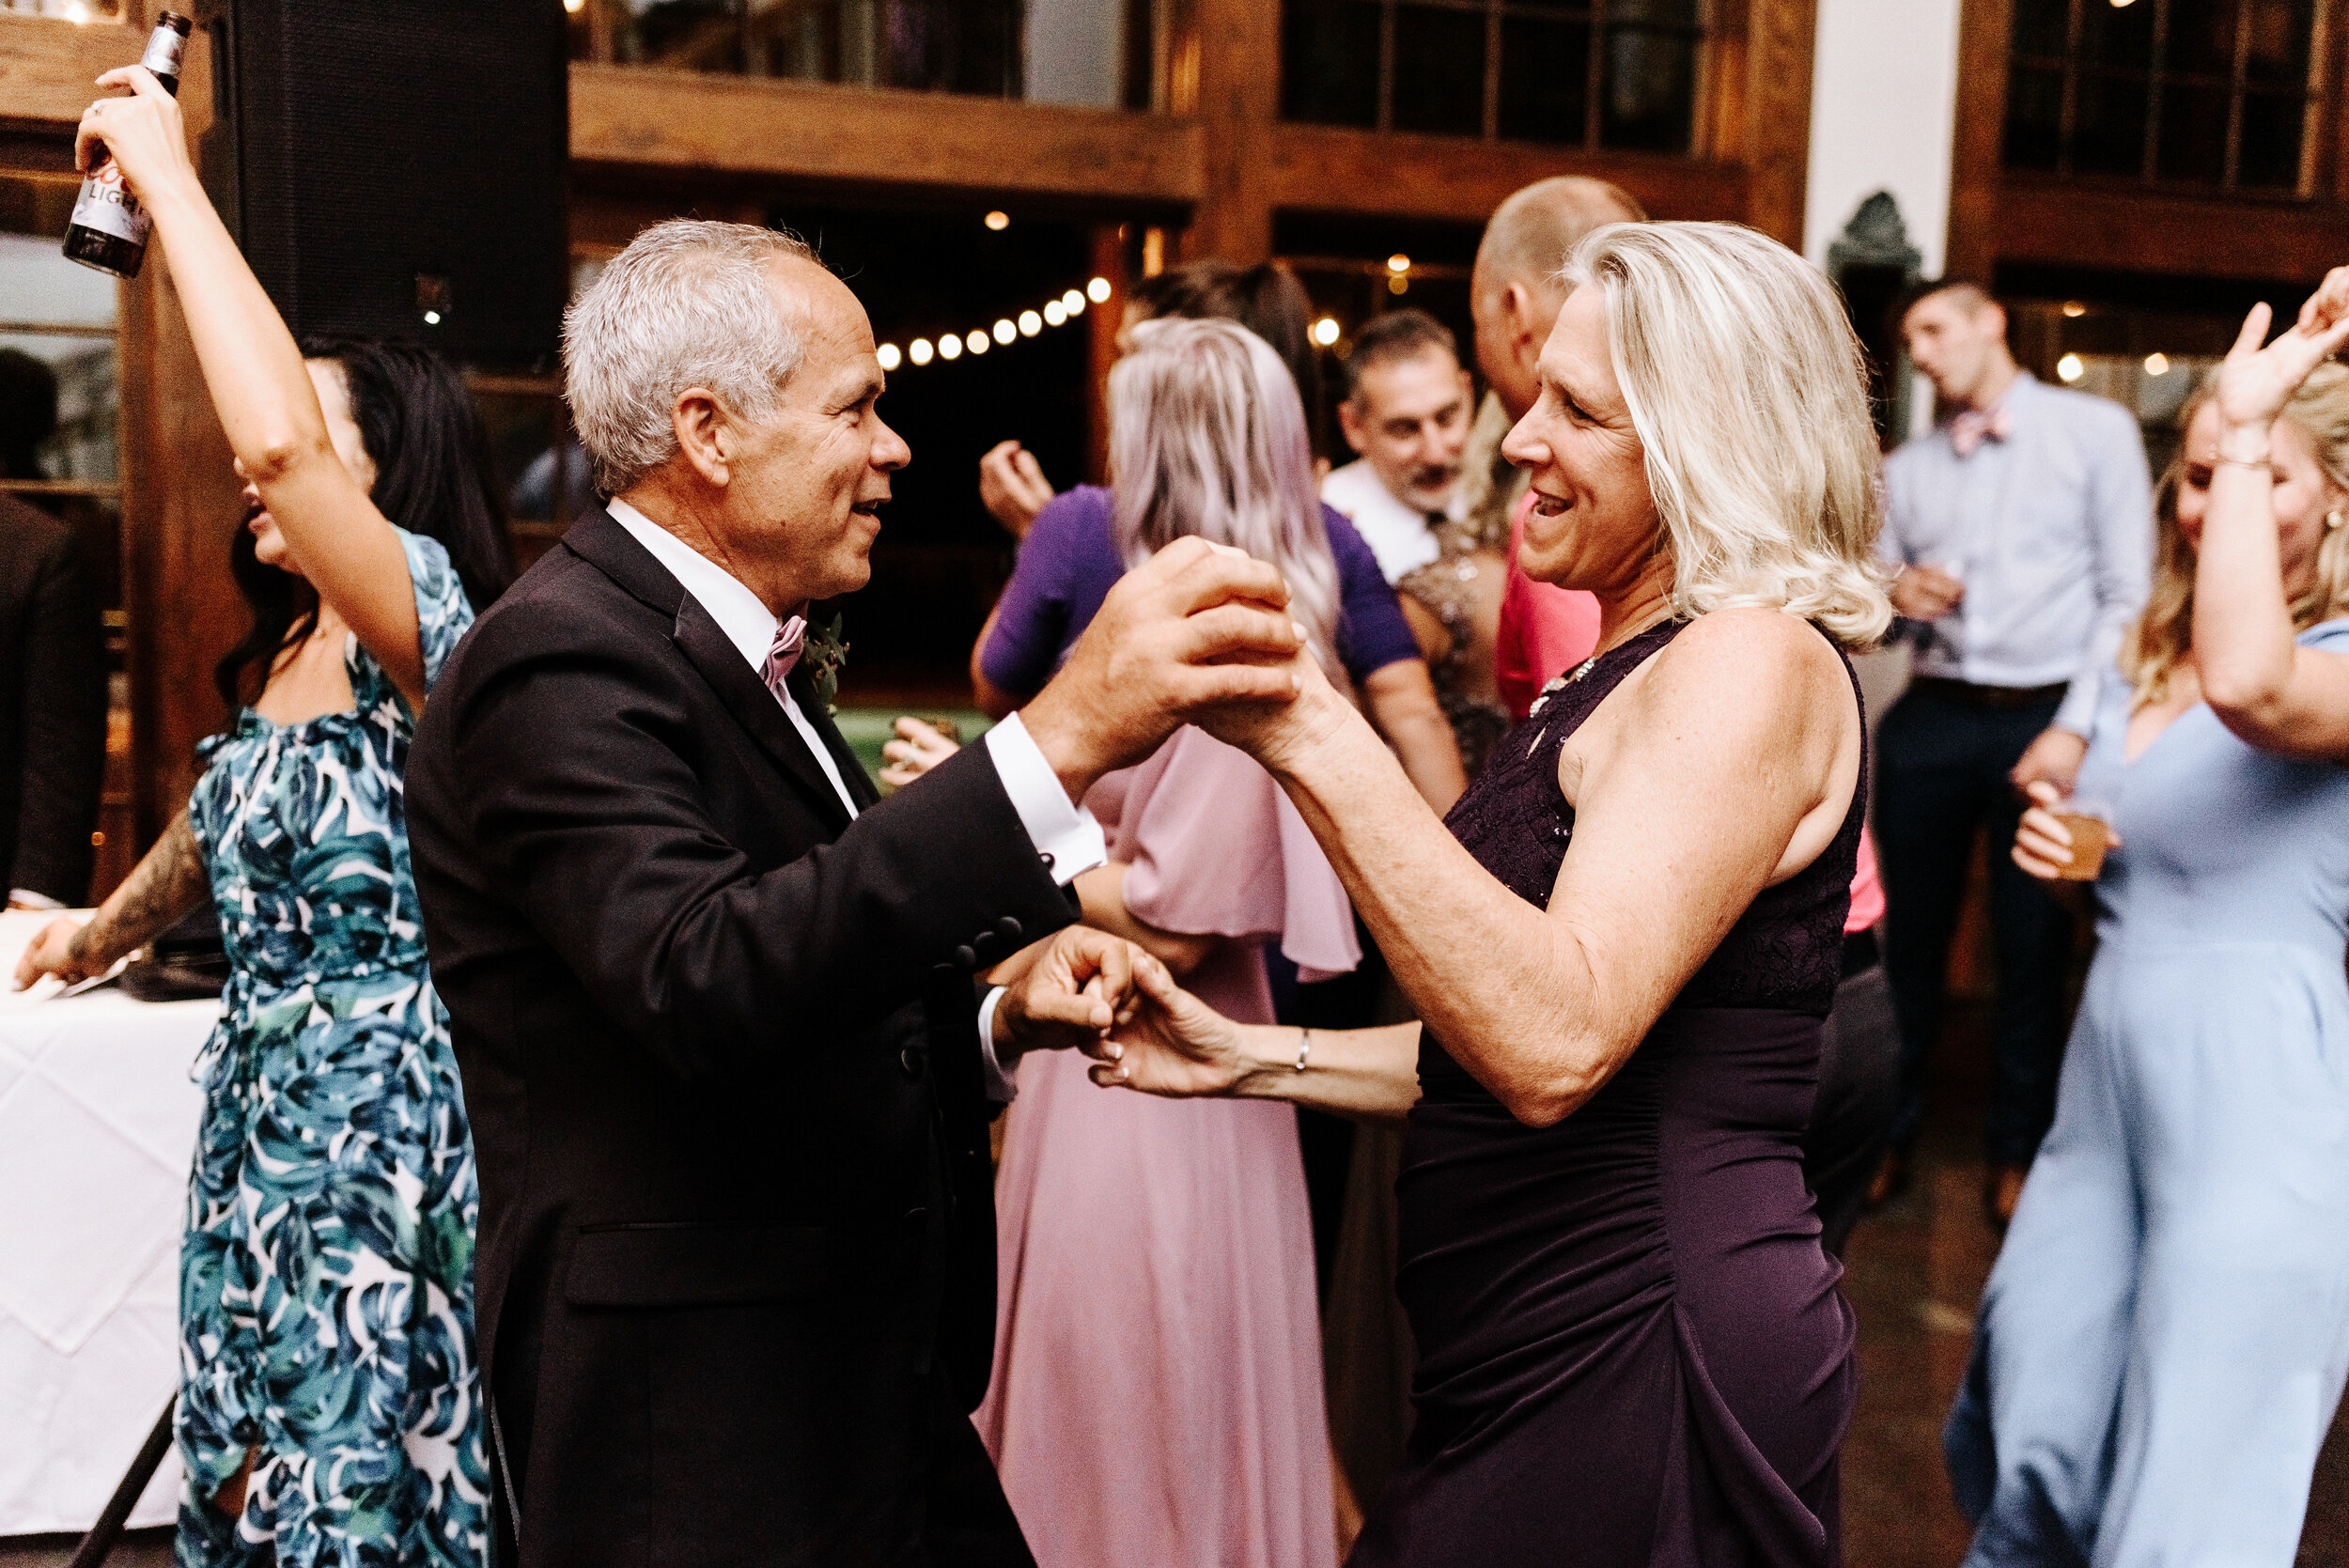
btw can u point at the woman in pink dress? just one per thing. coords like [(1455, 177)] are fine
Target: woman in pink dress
[(1157, 1398)]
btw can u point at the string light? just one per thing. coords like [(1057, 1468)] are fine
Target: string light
[(1005, 330), (1326, 331), (2157, 365), (2071, 368), (2072, 307), (1398, 262), (999, 221)]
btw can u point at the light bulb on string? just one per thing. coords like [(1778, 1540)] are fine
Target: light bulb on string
[(1055, 313), (888, 355), (999, 221), (1004, 331), (1098, 290), (949, 347), (2071, 368), (919, 351), (1073, 302), (976, 341), (1326, 331), (1030, 323)]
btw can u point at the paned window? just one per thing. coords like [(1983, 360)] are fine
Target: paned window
[(2229, 94), (1601, 74)]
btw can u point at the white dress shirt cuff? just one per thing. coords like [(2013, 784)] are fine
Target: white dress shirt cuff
[(1066, 837), (993, 1081), (25, 898)]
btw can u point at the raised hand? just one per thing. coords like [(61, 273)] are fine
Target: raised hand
[(1171, 1044), (1012, 487), (2255, 382), (144, 133), (1066, 992), (1193, 628)]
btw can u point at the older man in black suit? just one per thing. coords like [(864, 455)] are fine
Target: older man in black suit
[(728, 1066)]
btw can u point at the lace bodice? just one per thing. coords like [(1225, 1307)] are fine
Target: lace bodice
[(1784, 952)]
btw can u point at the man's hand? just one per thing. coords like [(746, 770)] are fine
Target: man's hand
[(1012, 487), (1926, 593), (1074, 988), (1194, 628), (1172, 1044), (52, 952), (2053, 758)]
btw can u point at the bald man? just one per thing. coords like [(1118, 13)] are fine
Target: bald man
[(1514, 298)]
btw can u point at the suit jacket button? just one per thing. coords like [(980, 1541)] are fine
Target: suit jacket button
[(1008, 928), (967, 958), (911, 1060)]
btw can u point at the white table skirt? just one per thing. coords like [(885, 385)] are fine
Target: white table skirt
[(97, 1121)]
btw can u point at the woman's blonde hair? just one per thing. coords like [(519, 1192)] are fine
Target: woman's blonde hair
[(1746, 385), (2160, 636), (1208, 437)]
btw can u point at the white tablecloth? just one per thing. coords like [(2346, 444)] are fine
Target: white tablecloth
[(97, 1121)]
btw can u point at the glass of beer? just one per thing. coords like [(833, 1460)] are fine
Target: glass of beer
[(2090, 823)]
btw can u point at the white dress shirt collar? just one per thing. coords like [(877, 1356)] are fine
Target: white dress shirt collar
[(747, 623)]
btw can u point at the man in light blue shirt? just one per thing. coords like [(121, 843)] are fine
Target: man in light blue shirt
[(2021, 530)]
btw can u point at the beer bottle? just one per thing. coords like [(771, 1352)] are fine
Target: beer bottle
[(109, 228)]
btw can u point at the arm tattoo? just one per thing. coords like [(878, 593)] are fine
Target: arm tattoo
[(163, 887)]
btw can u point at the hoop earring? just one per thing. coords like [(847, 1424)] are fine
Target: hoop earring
[(2335, 517)]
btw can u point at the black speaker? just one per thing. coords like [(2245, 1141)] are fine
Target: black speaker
[(397, 167)]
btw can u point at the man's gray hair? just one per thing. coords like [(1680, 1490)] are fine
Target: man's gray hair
[(685, 305)]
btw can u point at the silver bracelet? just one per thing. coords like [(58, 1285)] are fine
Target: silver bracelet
[(1304, 1046)]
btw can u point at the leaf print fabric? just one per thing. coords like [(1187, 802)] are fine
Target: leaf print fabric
[(326, 1278)]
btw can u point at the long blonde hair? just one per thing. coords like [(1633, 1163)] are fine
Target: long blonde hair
[(1746, 385), (2164, 633), (1208, 437)]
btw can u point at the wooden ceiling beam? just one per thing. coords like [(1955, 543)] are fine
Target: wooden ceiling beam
[(1328, 169), (48, 68), (2068, 224), (633, 117)]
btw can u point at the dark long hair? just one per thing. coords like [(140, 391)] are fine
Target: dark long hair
[(1266, 298), (432, 478)]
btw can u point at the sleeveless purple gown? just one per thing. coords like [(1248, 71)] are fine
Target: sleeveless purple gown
[(1632, 1350)]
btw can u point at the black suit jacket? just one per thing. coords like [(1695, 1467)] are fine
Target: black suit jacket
[(53, 707), (721, 1057)]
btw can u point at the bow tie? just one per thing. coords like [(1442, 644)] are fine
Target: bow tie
[(783, 654), (1971, 426)]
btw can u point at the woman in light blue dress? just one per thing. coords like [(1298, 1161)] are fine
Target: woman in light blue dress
[(2165, 1336), (330, 1406)]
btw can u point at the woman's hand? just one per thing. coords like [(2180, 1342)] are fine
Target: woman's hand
[(2043, 845), (144, 133), (1012, 487), (2054, 758), (918, 747), (53, 953), (1272, 732), (1173, 1045), (2255, 383)]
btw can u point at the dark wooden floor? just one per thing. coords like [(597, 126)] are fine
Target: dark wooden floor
[(1914, 1272)]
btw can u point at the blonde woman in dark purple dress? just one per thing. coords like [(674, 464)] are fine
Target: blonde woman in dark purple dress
[(1632, 1350)]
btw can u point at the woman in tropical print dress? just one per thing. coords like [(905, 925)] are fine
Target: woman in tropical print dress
[(330, 1408)]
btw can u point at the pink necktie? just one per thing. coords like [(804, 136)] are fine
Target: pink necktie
[(783, 654), (1969, 429)]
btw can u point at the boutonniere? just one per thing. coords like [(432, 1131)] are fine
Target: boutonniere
[(822, 655)]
